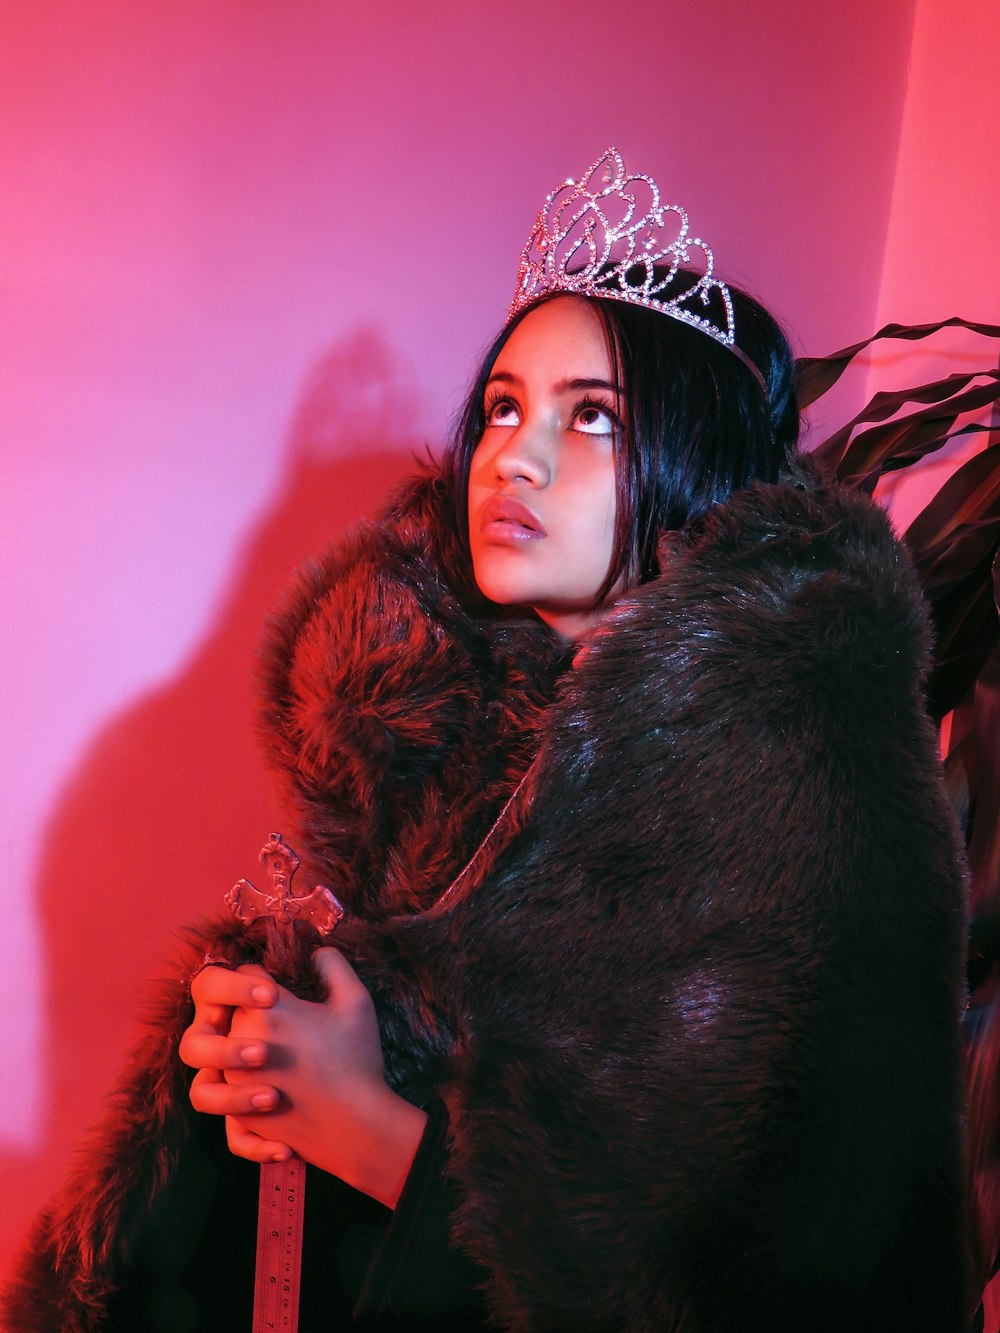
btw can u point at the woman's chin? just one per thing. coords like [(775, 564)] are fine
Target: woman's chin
[(505, 586)]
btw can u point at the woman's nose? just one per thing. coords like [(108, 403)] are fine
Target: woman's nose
[(525, 456)]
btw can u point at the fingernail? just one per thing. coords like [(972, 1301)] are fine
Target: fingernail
[(252, 1055), (262, 994), (281, 1157), (262, 1100)]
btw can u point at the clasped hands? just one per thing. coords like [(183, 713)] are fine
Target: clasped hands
[(297, 1076)]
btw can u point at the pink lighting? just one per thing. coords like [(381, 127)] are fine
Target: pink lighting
[(250, 255)]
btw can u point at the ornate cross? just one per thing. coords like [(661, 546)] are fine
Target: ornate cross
[(319, 906)]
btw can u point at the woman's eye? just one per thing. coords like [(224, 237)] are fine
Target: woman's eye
[(594, 420), (501, 413)]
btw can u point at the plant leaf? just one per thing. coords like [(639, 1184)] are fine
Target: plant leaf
[(814, 375), (970, 494), (919, 433)]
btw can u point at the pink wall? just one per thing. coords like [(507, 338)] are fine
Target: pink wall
[(941, 254), (250, 252)]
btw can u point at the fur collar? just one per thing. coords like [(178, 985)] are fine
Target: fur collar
[(401, 710)]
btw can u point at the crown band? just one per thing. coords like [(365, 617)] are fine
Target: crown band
[(594, 238)]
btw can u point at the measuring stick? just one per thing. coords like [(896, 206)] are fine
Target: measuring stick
[(279, 1246)]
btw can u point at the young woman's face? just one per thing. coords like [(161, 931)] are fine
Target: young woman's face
[(542, 479)]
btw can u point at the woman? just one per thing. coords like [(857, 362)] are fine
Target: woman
[(609, 736)]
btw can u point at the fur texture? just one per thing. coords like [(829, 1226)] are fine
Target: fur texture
[(693, 1006)]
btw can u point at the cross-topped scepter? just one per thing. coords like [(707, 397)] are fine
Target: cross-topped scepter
[(281, 1201)]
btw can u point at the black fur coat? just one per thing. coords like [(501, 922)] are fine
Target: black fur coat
[(692, 998)]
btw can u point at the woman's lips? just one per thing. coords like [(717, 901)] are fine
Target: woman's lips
[(504, 519)]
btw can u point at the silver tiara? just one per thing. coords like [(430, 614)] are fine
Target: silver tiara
[(605, 236)]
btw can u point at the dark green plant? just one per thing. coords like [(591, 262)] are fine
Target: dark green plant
[(954, 543)]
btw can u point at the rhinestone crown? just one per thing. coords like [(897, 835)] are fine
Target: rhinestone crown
[(605, 235)]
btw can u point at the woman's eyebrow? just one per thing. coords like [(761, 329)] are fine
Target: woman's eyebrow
[(505, 377), (560, 386), (563, 386)]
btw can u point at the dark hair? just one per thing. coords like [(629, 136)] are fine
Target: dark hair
[(696, 423)]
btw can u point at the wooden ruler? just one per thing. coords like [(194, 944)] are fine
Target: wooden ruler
[(279, 1246)]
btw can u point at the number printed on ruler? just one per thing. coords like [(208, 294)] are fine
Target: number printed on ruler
[(279, 1246)]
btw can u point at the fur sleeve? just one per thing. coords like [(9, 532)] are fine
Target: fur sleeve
[(72, 1262)]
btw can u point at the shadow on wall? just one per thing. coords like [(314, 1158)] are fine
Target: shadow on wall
[(172, 802)]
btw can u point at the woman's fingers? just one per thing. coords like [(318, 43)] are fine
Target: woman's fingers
[(220, 988), (344, 987), (206, 1049), (217, 993), (212, 1094), (245, 1142), (226, 1063)]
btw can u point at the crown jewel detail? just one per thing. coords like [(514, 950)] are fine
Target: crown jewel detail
[(605, 236)]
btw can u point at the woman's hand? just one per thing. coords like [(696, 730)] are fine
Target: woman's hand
[(294, 1075), (208, 1046)]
